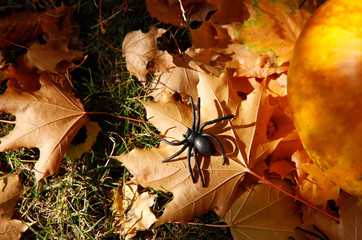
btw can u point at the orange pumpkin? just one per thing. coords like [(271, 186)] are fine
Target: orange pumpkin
[(325, 91)]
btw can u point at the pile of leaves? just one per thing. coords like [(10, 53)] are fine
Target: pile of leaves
[(237, 64), (269, 187)]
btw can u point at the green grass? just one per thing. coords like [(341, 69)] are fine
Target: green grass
[(77, 202)]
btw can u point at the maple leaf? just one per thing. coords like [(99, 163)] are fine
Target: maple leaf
[(263, 212), (244, 139), (47, 119), (142, 55), (10, 191), (273, 26), (172, 118), (183, 77)]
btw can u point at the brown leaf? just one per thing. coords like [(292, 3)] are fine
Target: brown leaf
[(172, 118), (263, 212), (134, 210), (20, 28), (25, 76), (10, 191), (54, 56), (350, 220), (47, 119), (183, 77), (142, 55), (169, 11)]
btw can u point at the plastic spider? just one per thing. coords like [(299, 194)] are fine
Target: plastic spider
[(196, 141)]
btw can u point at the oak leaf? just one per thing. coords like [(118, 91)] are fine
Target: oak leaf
[(10, 191), (47, 119), (263, 212)]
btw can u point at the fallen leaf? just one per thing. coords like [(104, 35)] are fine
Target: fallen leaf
[(183, 77), (25, 76), (251, 64), (47, 119), (54, 56), (350, 220), (172, 118), (75, 151), (142, 55), (171, 11), (273, 27), (20, 28), (263, 212), (10, 191), (316, 187), (283, 167), (134, 210)]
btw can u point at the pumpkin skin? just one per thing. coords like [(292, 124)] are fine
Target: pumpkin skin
[(325, 91)]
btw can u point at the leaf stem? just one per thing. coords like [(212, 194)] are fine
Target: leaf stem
[(207, 225), (113, 115), (8, 121), (292, 196)]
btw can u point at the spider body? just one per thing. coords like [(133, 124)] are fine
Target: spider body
[(197, 141)]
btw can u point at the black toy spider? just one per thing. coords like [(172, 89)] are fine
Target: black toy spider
[(198, 141)]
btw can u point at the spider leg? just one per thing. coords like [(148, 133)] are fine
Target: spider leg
[(220, 145), (193, 114), (198, 114), (178, 153), (189, 163), (198, 167), (214, 121), (173, 143)]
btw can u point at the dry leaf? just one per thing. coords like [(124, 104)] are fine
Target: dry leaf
[(10, 191), (47, 119), (54, 56), (221, 181), (316, 187), (263, 212), (20, 28), (251, 64), (24, 75), (183, 77), (273, 27), (134, 208), (170, 11), (350, 220), (142, 55)]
